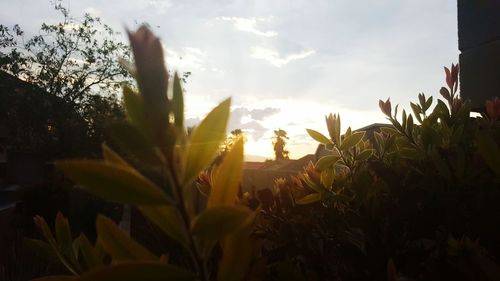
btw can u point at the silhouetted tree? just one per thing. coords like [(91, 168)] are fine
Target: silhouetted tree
[(279, 143), (75, 60)]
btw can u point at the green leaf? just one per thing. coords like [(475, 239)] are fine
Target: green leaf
[(409, 125), (133, 141), (352, 140), (318, 136), (428, 104), (237, 251), (364, 155), (178, 103), (308, 199), (404, 119), (389, 130), (90, 257), (326, 161), (217, 222), (416, 111), (168, 220), (47, 234), (63, 237), (114, 182), (205, 140), (111, 156), (327, 176), (227, 177), (441, 110), (134, 107), (310, 183), (41, 248), (118, 245), (337, 130), (489, 150), (134, 271)]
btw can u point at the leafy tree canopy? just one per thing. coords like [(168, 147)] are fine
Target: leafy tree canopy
[(279, 143), (75, 60)]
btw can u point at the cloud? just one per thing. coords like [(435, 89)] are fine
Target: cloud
[(254, 128), (186, 59), (260, 114), (248, 25), (274, 58), (249, 120)]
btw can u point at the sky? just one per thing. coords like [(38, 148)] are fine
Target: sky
[(285, 63)]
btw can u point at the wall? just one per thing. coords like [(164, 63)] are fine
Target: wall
[(479, 43)]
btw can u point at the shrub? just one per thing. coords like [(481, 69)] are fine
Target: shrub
[(420, 202), (158, 178)]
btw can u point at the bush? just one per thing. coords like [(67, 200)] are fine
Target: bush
[(157, 175), (418, 202)]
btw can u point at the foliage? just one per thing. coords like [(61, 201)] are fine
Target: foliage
[(74, 61), (279, 143), (158, 178), (230, 140), (418, 202)]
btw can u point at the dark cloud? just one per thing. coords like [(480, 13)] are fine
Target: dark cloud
[(250, 120), (260, 114), (254, 128)]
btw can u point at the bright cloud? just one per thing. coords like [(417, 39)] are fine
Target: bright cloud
[(186, 59), (274, 57), (248, 25), (250, 120), (356, 54)]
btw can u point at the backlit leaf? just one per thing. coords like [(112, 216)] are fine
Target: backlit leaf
[(364, 155), (63, 236), (327, 176), (318, 136), (326, 162), (90, 257), (111, 156), (168, 220), (205, 140), (133, 141), (47, 234), (217, 222), (226, 180), (308, 199), (237, 251), (113, 182), (352, 140), (118, 245), (134, 107), (489, 150)]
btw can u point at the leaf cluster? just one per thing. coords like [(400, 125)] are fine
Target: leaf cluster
[(156, 174), (415, 199)]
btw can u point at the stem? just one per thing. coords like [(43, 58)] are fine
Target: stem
[(198, 262)]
